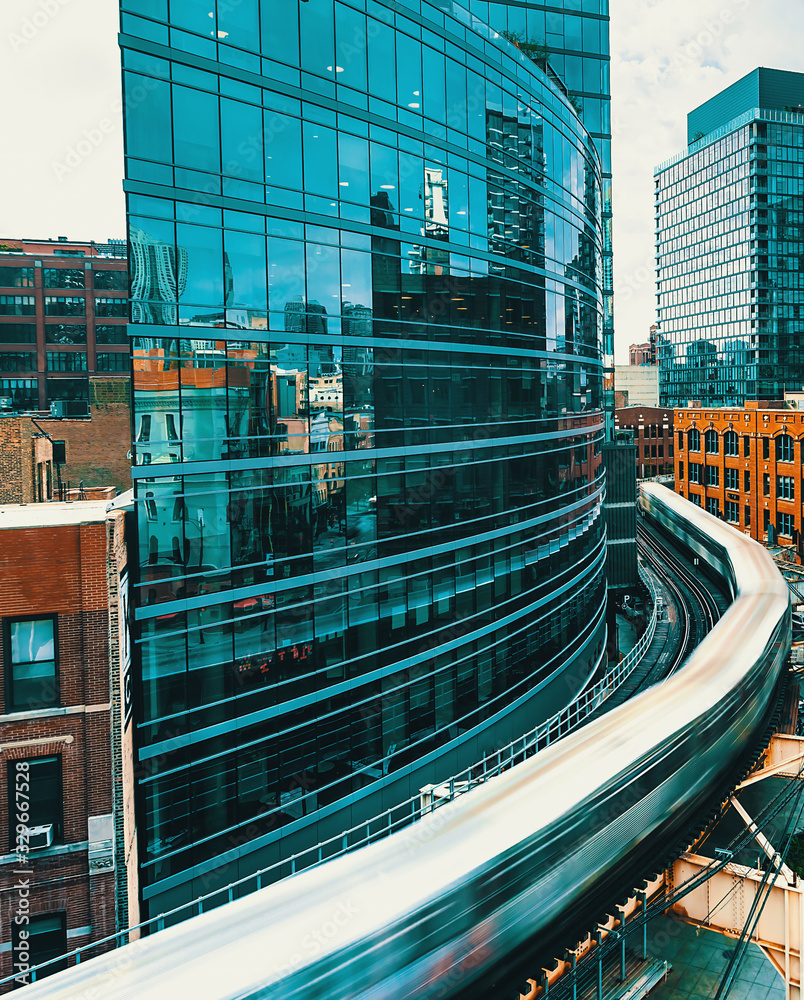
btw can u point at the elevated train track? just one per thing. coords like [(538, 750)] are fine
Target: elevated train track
[(488, 884)]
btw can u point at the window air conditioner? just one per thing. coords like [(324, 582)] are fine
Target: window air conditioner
[(40, 836)]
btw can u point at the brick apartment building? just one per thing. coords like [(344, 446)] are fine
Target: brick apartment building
[(745, 466), (64, 350), (65, 767), (652, 428)]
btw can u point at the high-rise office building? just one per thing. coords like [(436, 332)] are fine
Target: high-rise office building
[(729, 246), (367, 414)]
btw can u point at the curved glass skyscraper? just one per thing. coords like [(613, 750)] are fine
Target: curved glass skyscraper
[(366, 339)]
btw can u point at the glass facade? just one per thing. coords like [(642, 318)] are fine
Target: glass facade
[(730, 241), (367, 320), (569, 39)]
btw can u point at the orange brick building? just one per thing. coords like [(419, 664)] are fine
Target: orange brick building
[(745, 466), (65, 755)]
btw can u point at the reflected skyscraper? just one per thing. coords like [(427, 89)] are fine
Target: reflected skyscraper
[(370, 537)]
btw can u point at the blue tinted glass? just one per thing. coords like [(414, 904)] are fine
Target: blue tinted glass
[(245, 258), (193, 16), (320, 160), (241, 140), (195, 129), (317, 38), (350, 47), (204, 283), (147, 132), (239, 23), (283, 151), (280, 31)]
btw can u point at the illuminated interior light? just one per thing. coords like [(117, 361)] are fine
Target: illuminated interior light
[(338, 69)]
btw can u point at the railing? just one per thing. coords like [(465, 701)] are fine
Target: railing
[(369, 831)]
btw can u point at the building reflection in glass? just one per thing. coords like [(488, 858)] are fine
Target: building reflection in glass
[(367, 446)]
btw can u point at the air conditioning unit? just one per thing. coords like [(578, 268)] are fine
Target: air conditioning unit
[(40, 837)]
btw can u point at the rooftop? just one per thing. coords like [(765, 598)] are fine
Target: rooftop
[(52, 515)]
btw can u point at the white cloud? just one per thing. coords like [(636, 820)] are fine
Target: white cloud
[(60, 80)]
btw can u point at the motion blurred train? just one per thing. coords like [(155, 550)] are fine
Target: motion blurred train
[(493, 880)]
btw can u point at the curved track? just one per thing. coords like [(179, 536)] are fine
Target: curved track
[(483, 886), (700, 602)]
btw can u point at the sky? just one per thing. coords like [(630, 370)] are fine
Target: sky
[(61, 155)]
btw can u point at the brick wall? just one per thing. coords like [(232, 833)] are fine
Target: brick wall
[(97, 448), (64, 570), (22, 447), (753, 426)]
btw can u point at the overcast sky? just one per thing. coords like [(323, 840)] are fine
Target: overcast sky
[(61, 155)]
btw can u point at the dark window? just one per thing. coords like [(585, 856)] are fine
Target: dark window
[(765, 449), (46, 939), (23, 392), (61, 305), (747, 512), (785, 488), (66, 361), (16, 277), (105, 333), (66, 333), (712, 442), (111, 361), (111, 307), (18, 333), (680, 470), (111, 280), (713, 506), (144, 433), (784, 448), (17, 361), (38, 805), (765, 519), (695, 472), (732, 479), (17, 305), (696, 499), (31, 652), (784, 524), (731, 443), (732, 512), (746, 446), (694, 439), (766, 483), (712, 475), (747, 481), (64, 277), (681, 440)]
